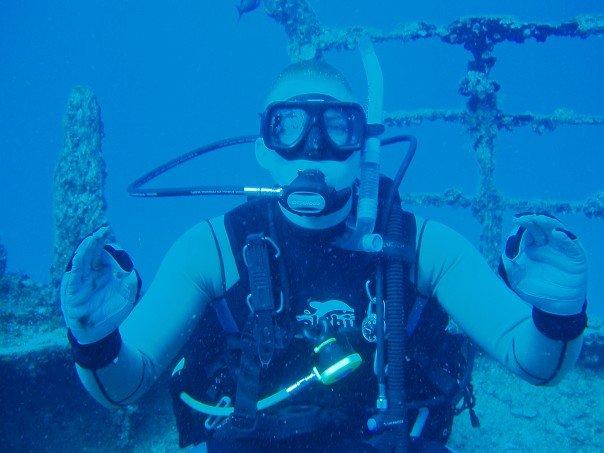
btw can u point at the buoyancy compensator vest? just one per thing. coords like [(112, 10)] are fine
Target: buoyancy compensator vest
[(315, 284)]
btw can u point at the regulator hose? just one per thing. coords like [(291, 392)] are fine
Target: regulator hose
[(398, 294), (397, 288)]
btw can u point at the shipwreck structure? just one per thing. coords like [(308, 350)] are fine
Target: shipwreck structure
[(33, 349), (481, 117)]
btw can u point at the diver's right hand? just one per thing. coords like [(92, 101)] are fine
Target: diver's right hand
[(98, 289)]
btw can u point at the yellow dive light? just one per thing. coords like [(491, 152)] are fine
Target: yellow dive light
[(334, 360)]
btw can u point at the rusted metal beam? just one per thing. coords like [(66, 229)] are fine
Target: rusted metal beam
[(538, 122), (592, 207)]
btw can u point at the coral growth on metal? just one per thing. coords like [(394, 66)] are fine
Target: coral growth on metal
[(482, 118), (79, 180)]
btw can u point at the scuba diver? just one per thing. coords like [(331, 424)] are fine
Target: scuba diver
[(283, 327)]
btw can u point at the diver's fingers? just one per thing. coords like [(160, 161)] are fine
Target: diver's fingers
[(97, 256), (534, 235), (78, 264), (86, 254), (71, 283), (80, 293), (538, 226), (546, 222), (568, 244), (79, 302)]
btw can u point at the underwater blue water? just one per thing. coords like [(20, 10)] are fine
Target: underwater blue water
[(170, 76)]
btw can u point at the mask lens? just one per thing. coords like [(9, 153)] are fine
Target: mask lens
[(344, 126), (286, 126)]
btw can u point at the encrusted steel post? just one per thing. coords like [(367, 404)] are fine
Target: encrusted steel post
[(300, 24), (2, 260), (79, 180), (482, 124)]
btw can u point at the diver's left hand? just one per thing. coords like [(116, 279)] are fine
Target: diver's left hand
[(546, 264)]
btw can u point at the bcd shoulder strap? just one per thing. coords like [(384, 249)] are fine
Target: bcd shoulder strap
[(258, 334)]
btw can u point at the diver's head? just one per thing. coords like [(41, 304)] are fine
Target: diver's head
[(312, 134)]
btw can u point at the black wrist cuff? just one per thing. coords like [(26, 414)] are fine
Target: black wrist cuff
[(560, 327), (96, 355)]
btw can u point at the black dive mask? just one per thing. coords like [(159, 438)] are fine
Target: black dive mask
[(310, 195), (316, 127)]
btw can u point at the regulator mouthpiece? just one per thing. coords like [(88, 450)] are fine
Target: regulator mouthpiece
[(308, 194)]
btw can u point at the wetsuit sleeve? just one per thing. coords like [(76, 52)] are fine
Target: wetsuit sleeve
[(189, 277), (490, 313)]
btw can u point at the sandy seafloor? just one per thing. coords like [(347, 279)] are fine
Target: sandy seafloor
[(45, 408)]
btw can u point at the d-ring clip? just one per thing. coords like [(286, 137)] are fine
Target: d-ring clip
[(278, 311), (268, 240)]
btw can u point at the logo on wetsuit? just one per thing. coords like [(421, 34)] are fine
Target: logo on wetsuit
[(339, 314)]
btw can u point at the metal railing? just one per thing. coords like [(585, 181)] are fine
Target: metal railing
[(482, 118)]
